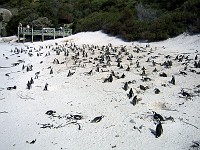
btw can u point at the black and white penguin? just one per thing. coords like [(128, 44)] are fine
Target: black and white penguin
[(32, 142), (123, 75), (97, 119), (157, 116), (155, 70), (28, 85), (172, 80), (50, 112), (157, 91), (159, 129), (31, 81), (51, 71), (143, 68), (128, 68), (23, 67), (130, 94), (77, 117), (110, 78), (125, 86), (186, 94), (142, 87), (196, 57), (134, 101), (45, 87)]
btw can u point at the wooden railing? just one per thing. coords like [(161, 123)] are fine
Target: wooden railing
[(43, 32)]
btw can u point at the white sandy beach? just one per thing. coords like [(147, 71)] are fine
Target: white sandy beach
[(124, 126)]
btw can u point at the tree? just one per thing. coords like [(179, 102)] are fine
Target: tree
[(41, 22), (1, 17), (13, 24), (145, 14)]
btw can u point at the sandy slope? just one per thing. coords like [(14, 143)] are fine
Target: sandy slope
[(123, 126)]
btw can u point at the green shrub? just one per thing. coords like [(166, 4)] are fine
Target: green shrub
[(128, 19)]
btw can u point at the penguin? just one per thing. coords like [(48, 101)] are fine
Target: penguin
[(158, 116), (27, 69), (137, 64), (196, 57), (157, 91), (125, 86), (176, 57), (128, 68), (77, 117), (97, 70), (172, 80), (130, 94), (90, 72), (123, 75), (110, 78), (31, 81), (32, 142), (51, 71), (28, 85), (143, 68), (134, 101), (23, 67), (155, 70), (163, 74), (186, 94), (97, 119), (143, 73), (69, 73), (153, 63), (50, 112), (159, 129), (45, 87), (142, 87)]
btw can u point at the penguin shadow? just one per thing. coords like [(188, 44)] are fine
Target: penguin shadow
[(153, 131)]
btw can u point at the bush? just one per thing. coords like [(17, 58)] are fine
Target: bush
[(130, 20), (91, 23), (41, 22), (96, 21), (12, 25)]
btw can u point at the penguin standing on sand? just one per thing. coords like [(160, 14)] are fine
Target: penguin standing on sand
[(172, 80), (196, 57), (159, 130), (51, 71), (130, 94), (45, 87)]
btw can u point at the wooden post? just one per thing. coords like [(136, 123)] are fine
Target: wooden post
[(18, 34), (32, 35), (42, 35), (23, 37), (54, 34)]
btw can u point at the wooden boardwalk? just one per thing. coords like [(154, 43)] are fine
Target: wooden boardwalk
[(43, 32)]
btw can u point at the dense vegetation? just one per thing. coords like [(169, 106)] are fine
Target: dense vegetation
[(128, 19)]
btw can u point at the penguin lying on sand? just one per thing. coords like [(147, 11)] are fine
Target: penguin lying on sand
[(97, 119), (158, 116)]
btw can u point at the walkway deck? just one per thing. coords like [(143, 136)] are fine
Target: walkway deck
[(43, 32)]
